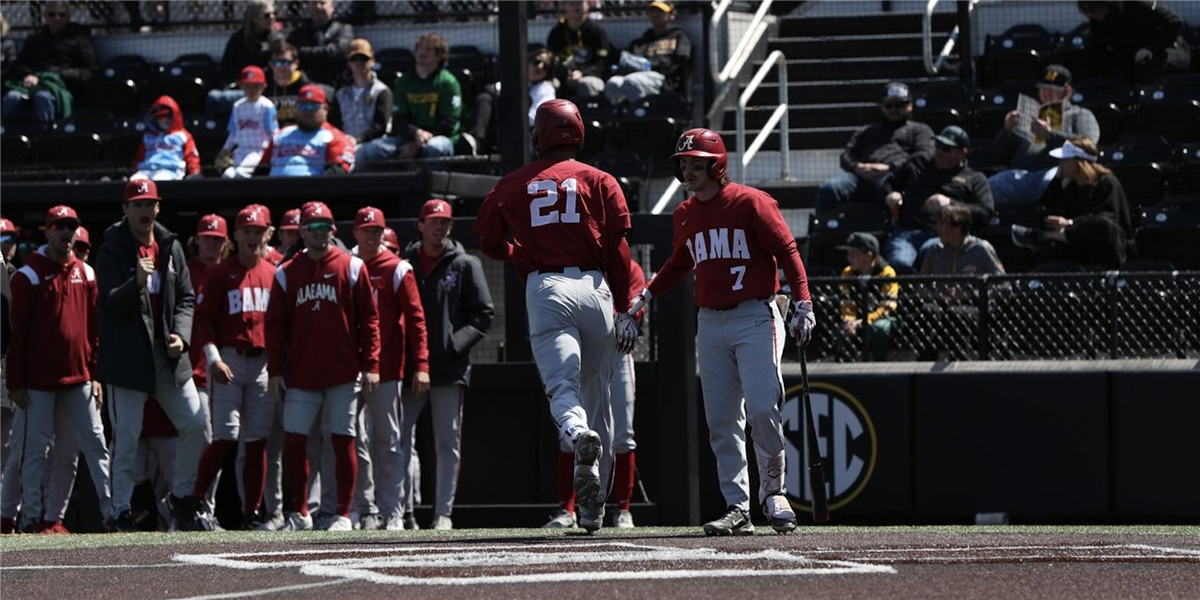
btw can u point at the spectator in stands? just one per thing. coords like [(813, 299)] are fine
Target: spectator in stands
[(428, 107), (878, 304), (286, 81), (541, 88), (250, 45), (957, 252), (1142, 41), (323, 44), (168, 151), (8, 48), (1027, 153), (660, 60), (252, 125), (56, 59), (876, 153), (1089, 222), (580, 45), (926, 185), (312, 146), (365, 104)]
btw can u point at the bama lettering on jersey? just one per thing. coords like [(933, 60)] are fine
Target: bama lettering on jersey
[(715, 243), (248, 299)]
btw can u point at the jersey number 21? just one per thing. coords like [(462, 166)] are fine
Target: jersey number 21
[(545, 192)]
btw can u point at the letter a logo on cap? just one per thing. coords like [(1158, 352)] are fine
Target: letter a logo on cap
[(143, 187), (686, 144), (212, 224), (370, 215), (62, 211)]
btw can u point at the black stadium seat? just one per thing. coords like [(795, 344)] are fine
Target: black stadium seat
[(1142, 164), (16, 149), (117, 95), (1109, 99), (188, 92), (128, 66), (942, 103), (1171, 108), (995, 103), (69, 149), (193, 65), (391, 61), (90, 120), (1018, 53)]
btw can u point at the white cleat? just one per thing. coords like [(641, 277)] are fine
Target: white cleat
[(338, 523), (294, 521), (561, 520), (442, 523), (623, 519)]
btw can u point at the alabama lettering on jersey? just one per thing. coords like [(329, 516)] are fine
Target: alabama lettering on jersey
[(322, 322), (299, 153), (731, 242), (54, 337), (232, 311), (544, 205)]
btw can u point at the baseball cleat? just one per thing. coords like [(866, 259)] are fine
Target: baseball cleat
[(410, 522), (394, 523), (294, 521), (735, 522), (563, 519), (779, 512), (623, 519), (8, 525), (587, 469), (274, 522), (129, 521), (190, 514), (57, 528), (591, 519), (337, 523), (370, 522), (441, 523)]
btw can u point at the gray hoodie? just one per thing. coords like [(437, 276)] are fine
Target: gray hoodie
[(1018, 151)]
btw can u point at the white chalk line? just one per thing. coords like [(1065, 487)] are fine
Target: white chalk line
[(74, 567), (267, 591), (380, 578), (1184, 551)]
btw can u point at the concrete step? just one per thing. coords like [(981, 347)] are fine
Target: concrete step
[(812, 115), (870, 24), (854, 46)]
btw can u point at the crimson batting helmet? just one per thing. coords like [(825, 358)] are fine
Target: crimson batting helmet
[(557, 123), (702, 143)]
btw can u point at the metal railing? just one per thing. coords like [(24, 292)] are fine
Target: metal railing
[(779, 116), (932, 67), (1030, 316)]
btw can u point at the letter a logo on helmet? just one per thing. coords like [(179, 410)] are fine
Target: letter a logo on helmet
[(701, 143)]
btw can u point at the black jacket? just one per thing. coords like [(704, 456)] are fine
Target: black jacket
[(585, 49), (920, 178), (70, 54), (126, 323), (669, 54), (240, 53), (1096, 207), (5, 309), (887, 142), (458, 311), (1131, 26), (323, 50)]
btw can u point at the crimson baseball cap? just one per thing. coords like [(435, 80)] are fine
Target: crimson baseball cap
[(252, 74), (315, 211), (61, 212), (212, 226), (312, 93), (8, 231), (369, 216), (254, 215), (437, 209), (141, 189), (291, 220), (82, 236), (390, 239)]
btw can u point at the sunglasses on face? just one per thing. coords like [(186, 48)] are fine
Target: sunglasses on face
[(269, 15), (281, 62), (894, 105), (63, 226), (359, 58), (309, 106), (538, 63), (57, 15), (321, 227), (944, 147)]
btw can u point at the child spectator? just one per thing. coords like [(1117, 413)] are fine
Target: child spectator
[(252, 124), (168, 151)]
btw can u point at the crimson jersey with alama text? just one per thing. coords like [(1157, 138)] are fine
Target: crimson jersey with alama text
[(401, 316), (560, 214), (322, 322), (732, 242), (54, 339), (232, 309)]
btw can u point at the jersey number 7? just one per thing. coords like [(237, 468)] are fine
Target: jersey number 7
[(549, 188)]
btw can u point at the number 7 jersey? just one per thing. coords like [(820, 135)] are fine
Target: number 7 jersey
[(731, 243), (560, 214)]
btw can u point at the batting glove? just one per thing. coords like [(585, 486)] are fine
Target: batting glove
[(627, 332), (639, 301), (803, 322)]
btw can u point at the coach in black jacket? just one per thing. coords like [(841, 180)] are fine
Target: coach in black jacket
[(458, 313), (145, 323)]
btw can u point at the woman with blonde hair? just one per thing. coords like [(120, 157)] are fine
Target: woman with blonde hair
[(1089, 221)]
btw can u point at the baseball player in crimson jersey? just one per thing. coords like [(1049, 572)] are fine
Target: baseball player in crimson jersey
[(622, 393), (145, 287), (212, 235), (401, 326), (289, 233), (231, 327), (733, 237), (82, 247), (322, 334), (52, 361), (568, 222)]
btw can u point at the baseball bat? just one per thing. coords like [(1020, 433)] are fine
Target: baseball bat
[(816, 471)]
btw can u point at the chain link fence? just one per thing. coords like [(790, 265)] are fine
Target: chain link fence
[(1034, 316)]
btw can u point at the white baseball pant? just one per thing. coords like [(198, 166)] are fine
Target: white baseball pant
[(58, 481), (76, 408), (739, 352), (571, 332), (446, 410)]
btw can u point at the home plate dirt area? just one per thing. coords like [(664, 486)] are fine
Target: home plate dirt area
[(659, 562)]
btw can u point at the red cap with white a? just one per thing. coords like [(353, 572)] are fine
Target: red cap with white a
[(141, 189), (291, 220), (369, 216), (61, 212), (252, 216), (438, 209), (212, 225), (315, 211)]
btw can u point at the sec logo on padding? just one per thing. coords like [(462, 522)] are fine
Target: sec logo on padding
[(846, 438)]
